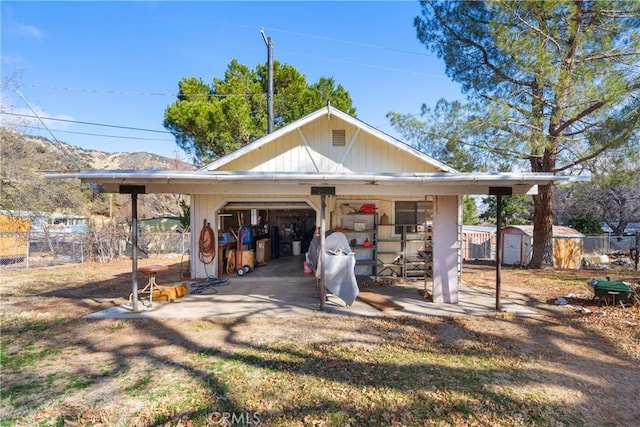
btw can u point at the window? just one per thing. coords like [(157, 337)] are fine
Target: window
[(409, 213)]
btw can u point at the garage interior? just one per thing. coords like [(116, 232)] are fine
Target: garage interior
[(263, 234)]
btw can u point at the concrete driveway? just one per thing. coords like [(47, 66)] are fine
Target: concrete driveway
[(280, 289)]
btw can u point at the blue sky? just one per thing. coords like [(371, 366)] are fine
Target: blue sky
[(119, 63)]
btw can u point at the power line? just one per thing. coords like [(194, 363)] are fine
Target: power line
[(73, 160), (360, 44), (139, 93), (85, 123), (277, 30), (380, 67), (105, 91), (101, 135)]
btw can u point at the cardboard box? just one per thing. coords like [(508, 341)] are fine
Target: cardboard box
[(263, 251)]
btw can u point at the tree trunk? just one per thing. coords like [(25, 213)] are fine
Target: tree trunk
[(543, 228)]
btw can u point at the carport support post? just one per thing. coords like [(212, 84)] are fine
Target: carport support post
[(323, 227), (134, 190), (498, 249), (134, 252), (499, 192), (322, 192)]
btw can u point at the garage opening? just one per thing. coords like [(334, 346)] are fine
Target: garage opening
[(276, 235)]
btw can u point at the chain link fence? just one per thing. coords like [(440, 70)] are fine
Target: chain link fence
[(603, 244), (23, 250)]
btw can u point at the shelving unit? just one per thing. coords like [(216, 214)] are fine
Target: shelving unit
[(406, 250), (418, 257), (408, 254), (358, 227), (390, 252)]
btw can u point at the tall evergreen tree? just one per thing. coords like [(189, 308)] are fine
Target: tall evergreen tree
[(516, 210), (469, 211), (209, 121), (551, 83)]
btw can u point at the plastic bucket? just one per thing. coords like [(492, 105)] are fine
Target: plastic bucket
[(297, 246)]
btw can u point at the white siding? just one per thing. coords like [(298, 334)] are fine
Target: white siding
[(202, 208), (363, 153), (445, 250)]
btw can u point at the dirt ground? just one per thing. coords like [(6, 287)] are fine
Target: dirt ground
[(585, 353)]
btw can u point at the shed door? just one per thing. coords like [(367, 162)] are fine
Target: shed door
[(512, 252)]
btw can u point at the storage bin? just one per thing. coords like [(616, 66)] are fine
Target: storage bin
[(297, 247)]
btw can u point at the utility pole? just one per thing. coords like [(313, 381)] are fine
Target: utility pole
[(269, 43)]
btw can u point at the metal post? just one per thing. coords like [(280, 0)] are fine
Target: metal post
[(498, 248), (270, 90), (134, 252), (636, 257), (323, 294), (269, 42), (28, 250)]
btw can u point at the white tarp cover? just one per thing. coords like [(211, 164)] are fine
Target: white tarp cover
[(339, 272)]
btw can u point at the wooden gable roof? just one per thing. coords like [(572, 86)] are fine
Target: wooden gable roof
[(328, 141)]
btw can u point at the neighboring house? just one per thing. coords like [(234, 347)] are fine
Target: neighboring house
[(60, 223), (160, 224), (331, 150), (517, 245)]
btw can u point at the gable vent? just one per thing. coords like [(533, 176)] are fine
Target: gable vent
[(339, 138)]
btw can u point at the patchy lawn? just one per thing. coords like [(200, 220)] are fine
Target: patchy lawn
[(563, 368)]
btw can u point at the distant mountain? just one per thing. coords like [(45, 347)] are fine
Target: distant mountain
[(23, 158), (95, 159)]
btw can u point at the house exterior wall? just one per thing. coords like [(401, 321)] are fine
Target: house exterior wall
[(310, 149), (206, 207), (446, 225)]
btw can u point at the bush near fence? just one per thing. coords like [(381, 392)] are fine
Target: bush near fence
[(48, 249)]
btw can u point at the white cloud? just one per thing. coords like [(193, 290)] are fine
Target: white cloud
[(11, 59), (28, 31), (34, 123)]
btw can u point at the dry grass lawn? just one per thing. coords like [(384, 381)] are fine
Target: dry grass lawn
[(562, 368)]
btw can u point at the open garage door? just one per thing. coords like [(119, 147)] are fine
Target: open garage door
[(275, 232)]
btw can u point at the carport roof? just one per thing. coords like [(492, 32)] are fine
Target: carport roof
[(190, 182)]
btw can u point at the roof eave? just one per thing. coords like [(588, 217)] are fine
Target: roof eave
[(189, 177)]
